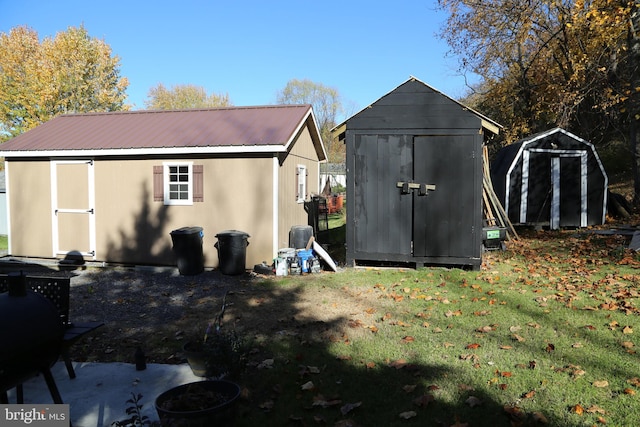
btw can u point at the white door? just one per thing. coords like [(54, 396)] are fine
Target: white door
[(73, 203)]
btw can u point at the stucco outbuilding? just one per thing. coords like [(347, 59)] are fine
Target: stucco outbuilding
[(112, 186)]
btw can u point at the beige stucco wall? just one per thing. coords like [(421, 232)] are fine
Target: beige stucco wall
[(29, 189), (131, 227), (290, 211)]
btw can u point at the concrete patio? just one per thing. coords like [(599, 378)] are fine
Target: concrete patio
[(97, 396)]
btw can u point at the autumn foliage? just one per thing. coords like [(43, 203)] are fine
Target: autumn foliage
[(69, 73)]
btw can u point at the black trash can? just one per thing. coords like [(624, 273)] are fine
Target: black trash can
[(187, 245), (232, 251)]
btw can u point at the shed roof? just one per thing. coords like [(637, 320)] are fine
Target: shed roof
[(488, 124), (258, 129)]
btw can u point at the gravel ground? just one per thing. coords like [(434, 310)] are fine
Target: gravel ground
[(157, 309), (154, 308)]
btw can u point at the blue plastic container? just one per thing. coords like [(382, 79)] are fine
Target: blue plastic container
[(304, 256)]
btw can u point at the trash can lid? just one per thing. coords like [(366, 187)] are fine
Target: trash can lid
[(232, 233), (187, 230)]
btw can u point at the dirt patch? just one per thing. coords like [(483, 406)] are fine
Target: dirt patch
[(159, 310)]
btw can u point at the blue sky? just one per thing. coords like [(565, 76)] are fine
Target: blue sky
[(250, 49)]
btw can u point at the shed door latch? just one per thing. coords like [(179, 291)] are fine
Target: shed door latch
[(423, 189)]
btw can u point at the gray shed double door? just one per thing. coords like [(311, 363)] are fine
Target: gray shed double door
[(395, 223)]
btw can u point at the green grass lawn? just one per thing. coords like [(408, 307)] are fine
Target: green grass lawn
[(545, 334), (4, 243)]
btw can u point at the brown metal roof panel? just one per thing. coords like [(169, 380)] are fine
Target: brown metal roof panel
[(237, 126)]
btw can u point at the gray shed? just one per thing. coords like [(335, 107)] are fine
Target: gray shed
[(553, 178), (414, 179)]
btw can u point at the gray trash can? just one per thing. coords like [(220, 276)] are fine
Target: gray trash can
[(232, 251), (187, 245), (299, 236)]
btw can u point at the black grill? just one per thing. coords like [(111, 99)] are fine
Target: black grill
[(31, 335)]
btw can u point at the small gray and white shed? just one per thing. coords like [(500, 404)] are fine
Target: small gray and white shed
[(553, 178)]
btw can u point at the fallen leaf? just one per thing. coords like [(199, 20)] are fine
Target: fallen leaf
[(321, 401), (505, 374), (450, 313), (473, 401), (613, 325), (398, 364), (627, 330), (518, 338), (529, 394), (515, 413), (506, 347), (601, 383), (423, 400), (266, 405), (629, 391), (540, 418), (408, 339), (550, 348), (307, 386), (408, 414), (485, 329), (627, 344), (355, 323), (370, 365), (577, 409), (408, 388), (459, 424), (635, 381), (482, 313), (448, 344), (472, 346), (593, 409), (266, 364), (349, 407)]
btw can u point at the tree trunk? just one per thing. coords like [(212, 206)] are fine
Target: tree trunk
[(634, 142), (634, 125)]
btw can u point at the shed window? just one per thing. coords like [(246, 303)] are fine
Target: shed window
[(178, 183), (301, 183)]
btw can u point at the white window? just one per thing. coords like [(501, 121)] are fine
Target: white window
[(301, 183), (178, 183)]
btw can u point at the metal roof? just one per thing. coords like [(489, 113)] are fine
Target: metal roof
[(215, 130), (488, 124)]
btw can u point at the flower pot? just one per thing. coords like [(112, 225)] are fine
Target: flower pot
[(199, 404), (196, 358)]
